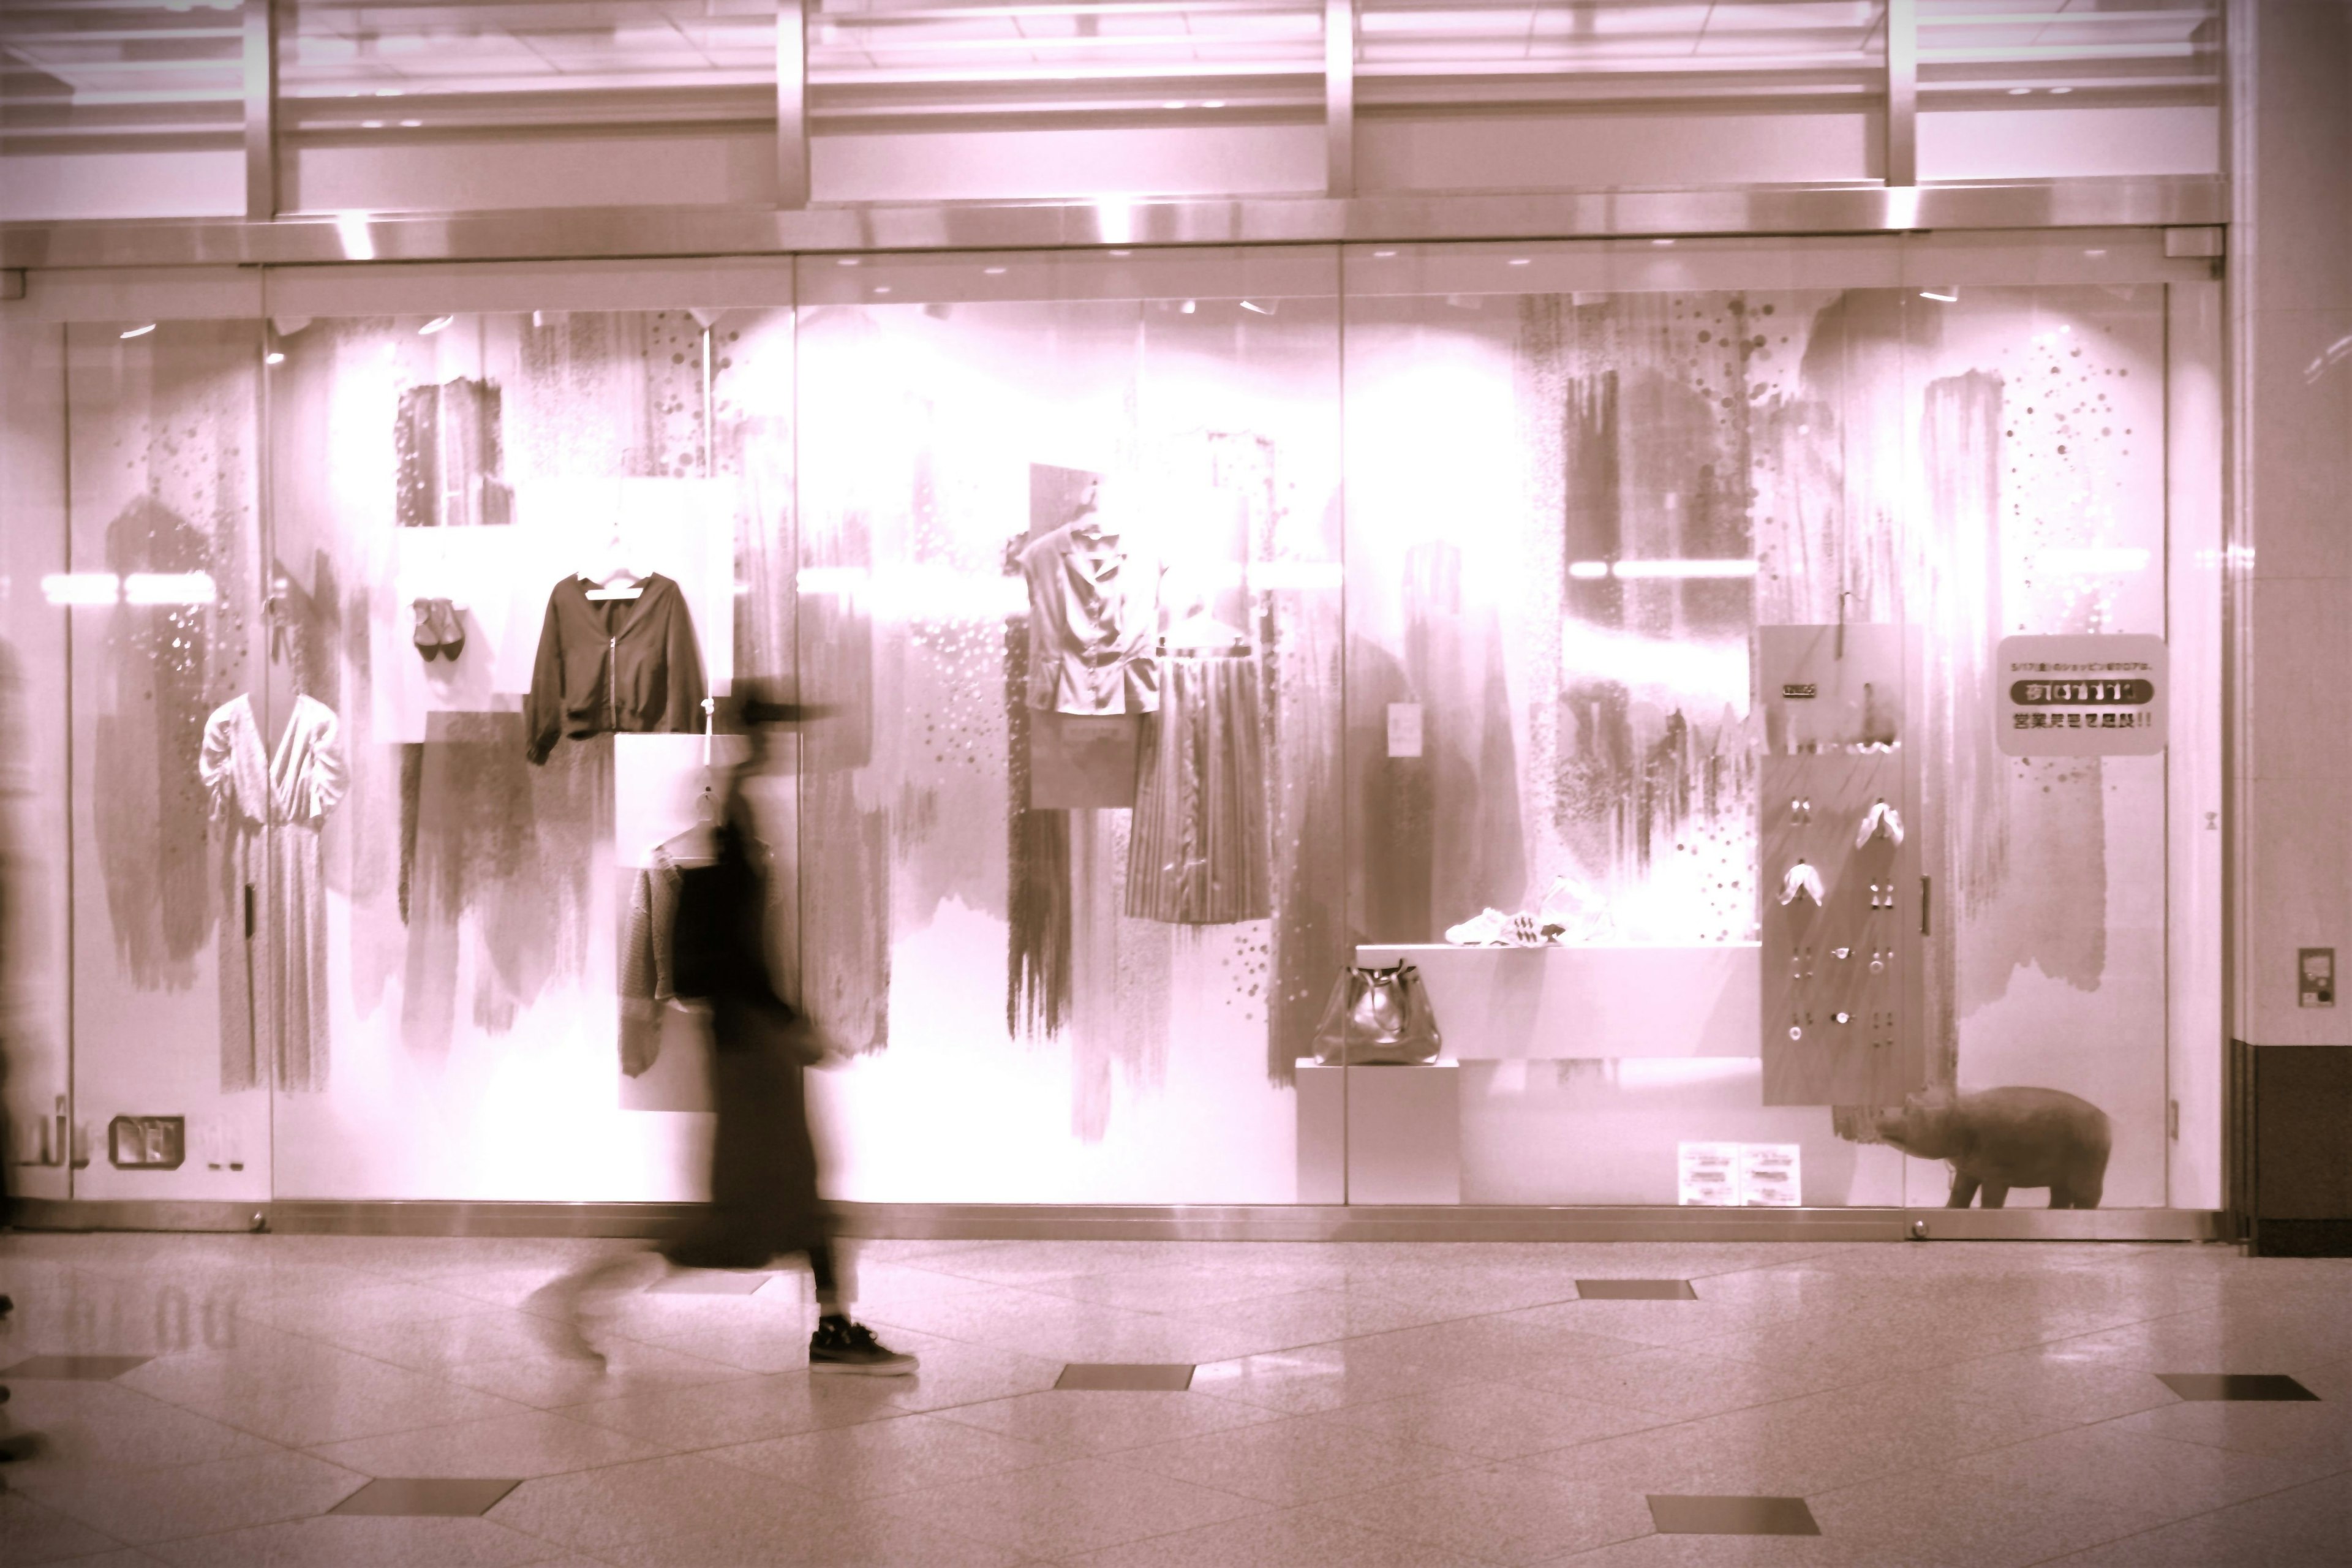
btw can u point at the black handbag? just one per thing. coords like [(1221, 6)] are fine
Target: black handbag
[(1377, 1016)]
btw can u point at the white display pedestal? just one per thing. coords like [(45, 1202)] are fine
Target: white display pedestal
[(1540, 1003), (1379, 1134)]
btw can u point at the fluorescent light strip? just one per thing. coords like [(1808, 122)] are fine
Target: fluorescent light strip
[(169, 588), (1637, 570), (81, 587), (2096, 561)]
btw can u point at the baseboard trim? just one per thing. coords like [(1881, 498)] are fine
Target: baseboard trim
[(1238, 1222)]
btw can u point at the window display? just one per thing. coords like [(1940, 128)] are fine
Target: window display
[(1618, 646)]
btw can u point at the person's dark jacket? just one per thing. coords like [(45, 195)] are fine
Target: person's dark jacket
[(624, 665)]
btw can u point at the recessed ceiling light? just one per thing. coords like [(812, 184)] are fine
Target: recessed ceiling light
[(1519, 261), (1174, 103), (2060, 91), (994, 271), (139, 332), (1212, 103), (1188, 307), (845, 261), (881, 288), (2019, 92), (412, 125), (371, 124), (434, 325), (273, 357), (1662, 242), (1383, 254)]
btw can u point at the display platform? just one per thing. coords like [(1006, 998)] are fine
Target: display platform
[(1388, 1134), (1545, 1004)]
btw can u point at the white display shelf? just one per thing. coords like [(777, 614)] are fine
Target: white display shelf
[(1544, 1003)]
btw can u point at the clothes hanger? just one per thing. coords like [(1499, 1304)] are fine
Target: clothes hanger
[(621, 583), (1203, 633)]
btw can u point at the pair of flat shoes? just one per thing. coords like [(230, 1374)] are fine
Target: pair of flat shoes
[(440, 630)]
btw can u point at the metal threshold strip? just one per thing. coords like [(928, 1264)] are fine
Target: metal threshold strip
[(577, 234), (1172, 1222)]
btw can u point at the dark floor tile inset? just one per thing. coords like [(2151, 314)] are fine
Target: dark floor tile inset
[(2234, 1385), (1637, 1290), (437, 1497), (75, 1368), (1732, 1516), (1127, 1377), (712, 1282)]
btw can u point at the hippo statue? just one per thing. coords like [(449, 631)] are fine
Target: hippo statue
[(2005, 1138)]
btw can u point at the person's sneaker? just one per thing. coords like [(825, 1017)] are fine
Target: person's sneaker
[(840, 1345)]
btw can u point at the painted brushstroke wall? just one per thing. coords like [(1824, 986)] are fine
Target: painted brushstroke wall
[(1978, 466)]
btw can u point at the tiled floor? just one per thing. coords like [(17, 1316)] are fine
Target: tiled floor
[(1412, 1405)]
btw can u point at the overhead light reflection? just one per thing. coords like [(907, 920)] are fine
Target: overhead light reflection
[(1944, 296), (81, 587), (434, 325), (1261, 310), (2095, 561), (139, 332), (169, 588), (358, 242), (275, 356)]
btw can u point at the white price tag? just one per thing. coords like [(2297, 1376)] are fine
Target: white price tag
[(1404, 729)]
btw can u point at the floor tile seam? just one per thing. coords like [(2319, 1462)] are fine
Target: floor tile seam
[(1120, 1458), (2199, 1442), (519, 1409), (313, 1339), (311, 1451), (174, 1540), (62, 1516)]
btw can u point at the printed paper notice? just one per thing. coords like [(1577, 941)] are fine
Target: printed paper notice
[(2083, 696), (1404, 729), (1768, 1175), (1710, 1174)]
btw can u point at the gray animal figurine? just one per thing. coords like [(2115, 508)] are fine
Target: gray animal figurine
[(2005, 1138)]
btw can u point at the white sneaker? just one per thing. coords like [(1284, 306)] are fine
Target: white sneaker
[(1484, 928)]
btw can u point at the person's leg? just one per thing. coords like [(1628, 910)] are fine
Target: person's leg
[(559, 1303), (840, 1344), (824, 1268)]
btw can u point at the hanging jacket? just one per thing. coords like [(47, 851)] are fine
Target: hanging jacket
[(614, 665)]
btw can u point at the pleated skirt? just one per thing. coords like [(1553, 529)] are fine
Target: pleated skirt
[(1199, 851)]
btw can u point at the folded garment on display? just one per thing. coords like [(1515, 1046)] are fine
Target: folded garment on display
[(1880, 820), (1804, 882), (614, 665)]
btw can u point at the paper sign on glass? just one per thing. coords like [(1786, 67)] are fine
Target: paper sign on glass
[(2085, 696), (1708, 1173), (1404, 729), (1768, 1176)]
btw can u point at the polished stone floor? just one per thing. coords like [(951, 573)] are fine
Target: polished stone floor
[(1414, 1406)]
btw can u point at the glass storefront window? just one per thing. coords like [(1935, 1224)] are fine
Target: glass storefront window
[(1177, 628)]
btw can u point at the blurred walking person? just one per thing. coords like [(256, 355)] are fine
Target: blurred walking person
[(764, 1202)]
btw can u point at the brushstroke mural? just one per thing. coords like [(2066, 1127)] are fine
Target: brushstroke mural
[(1877, 457)]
